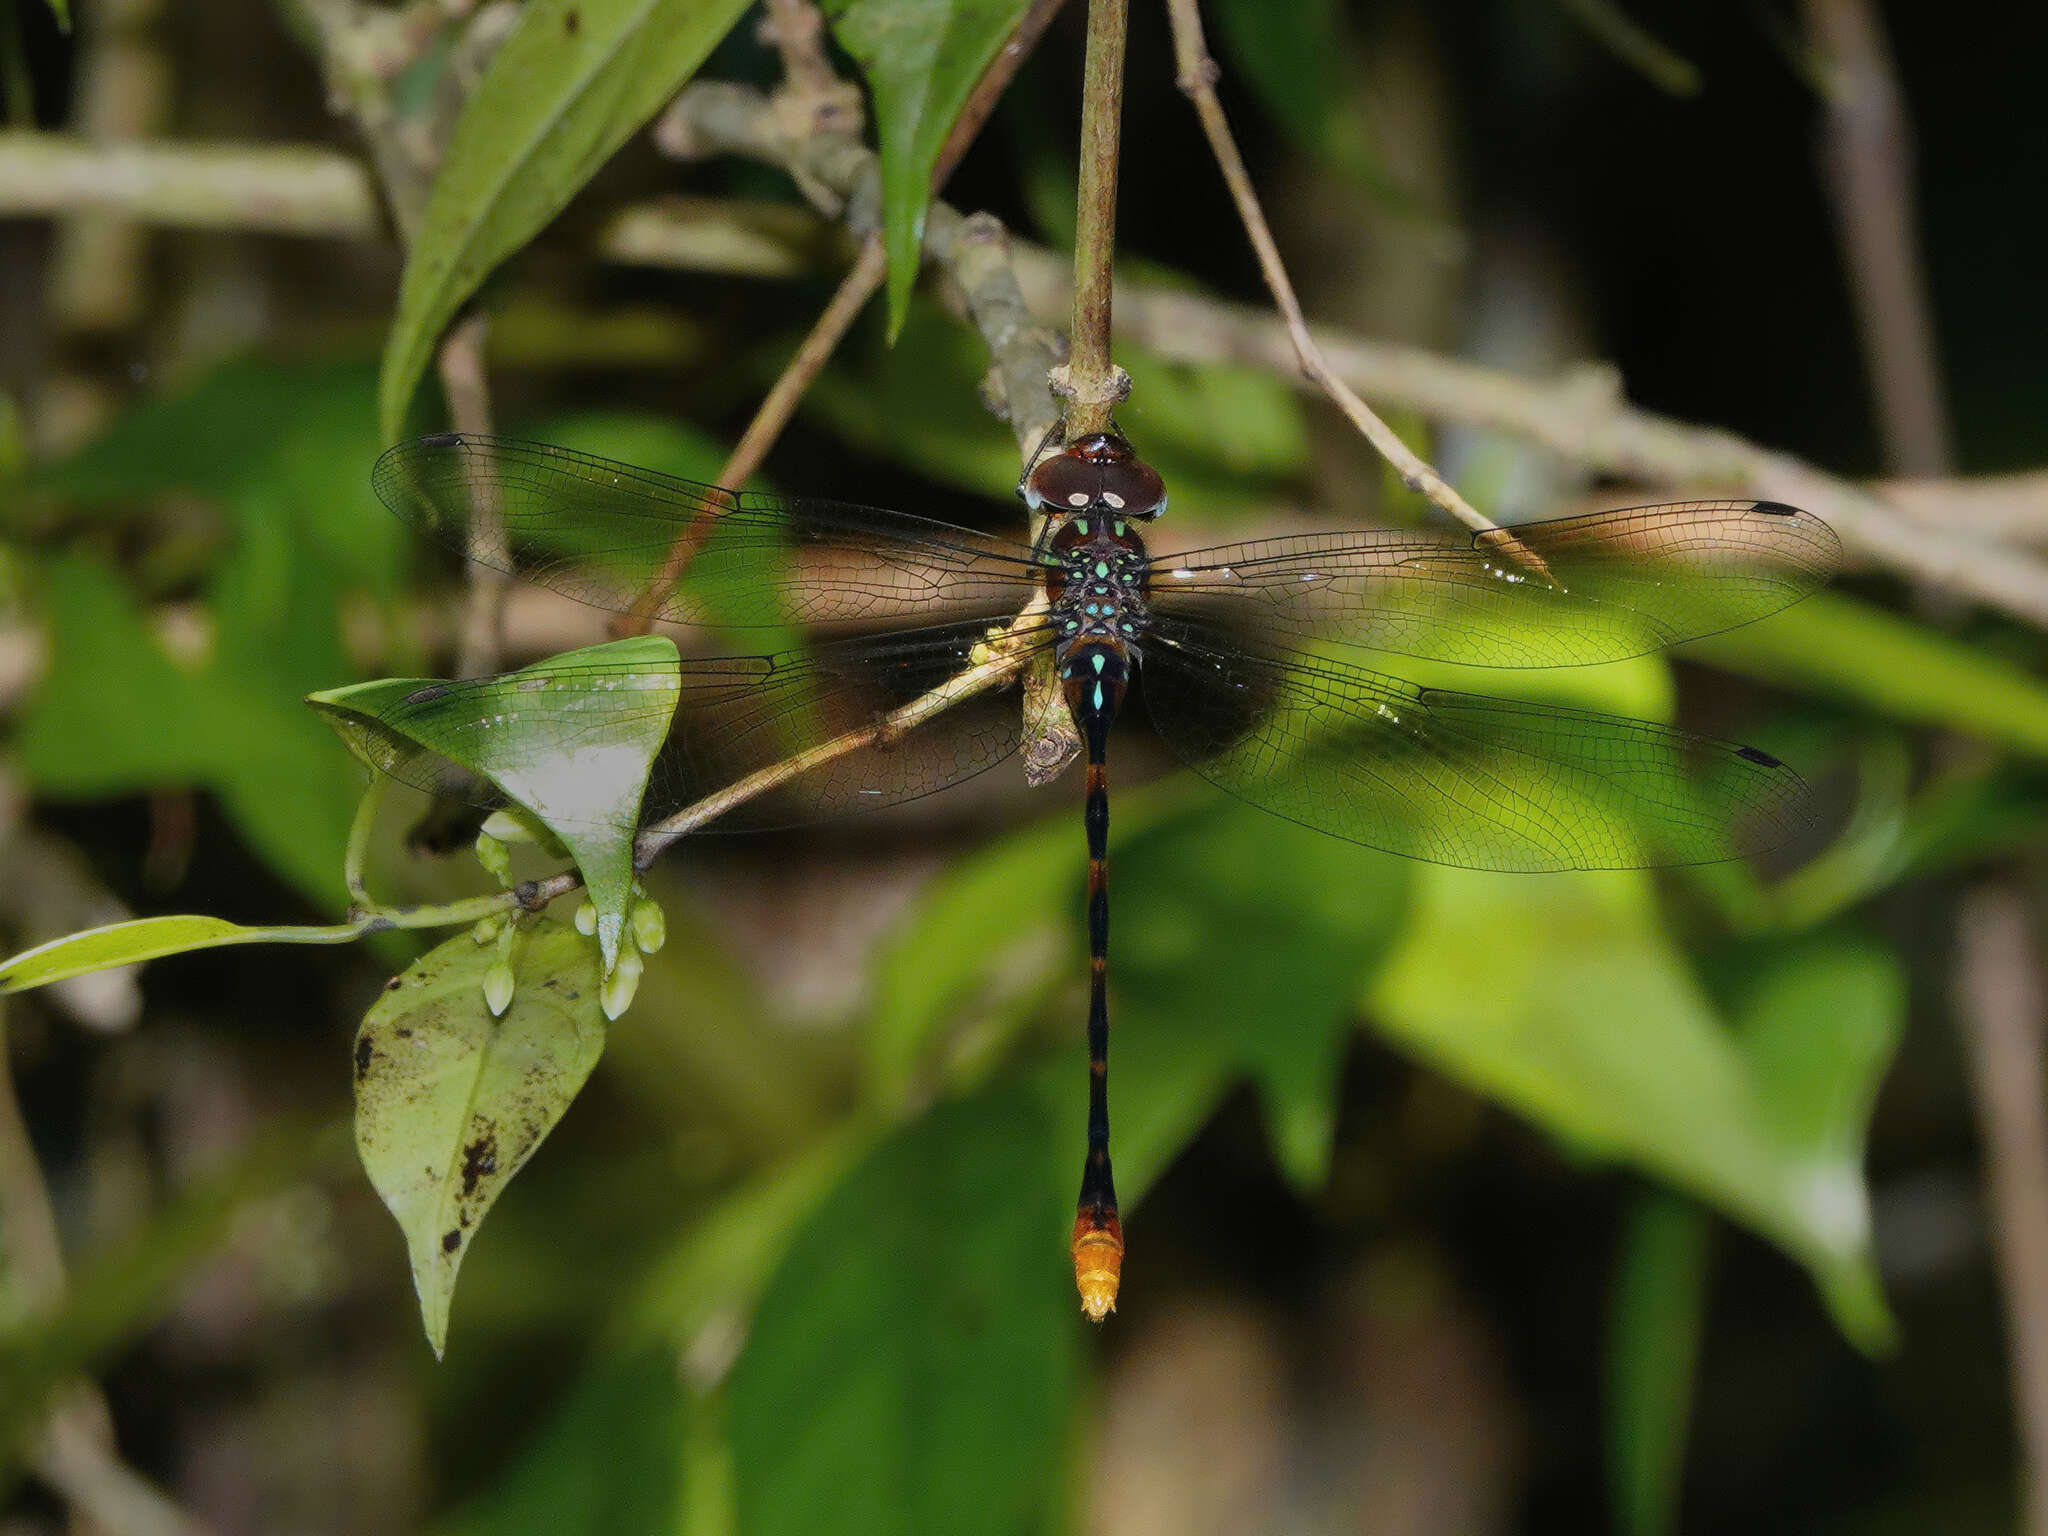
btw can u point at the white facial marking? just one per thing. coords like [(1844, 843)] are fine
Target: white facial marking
[(1077, 499), (1114, 500)]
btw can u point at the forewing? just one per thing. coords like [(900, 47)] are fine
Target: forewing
[(601, 532), (747, 717), (1610, 584), (735, 718), (1454, 778)]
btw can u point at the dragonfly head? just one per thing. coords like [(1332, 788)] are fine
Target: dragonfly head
[(1096, 473)]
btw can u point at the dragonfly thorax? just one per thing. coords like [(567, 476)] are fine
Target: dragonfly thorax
[(1096, 582)]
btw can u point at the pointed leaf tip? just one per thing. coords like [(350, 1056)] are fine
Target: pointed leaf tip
[(922, 60), (451, 1102)]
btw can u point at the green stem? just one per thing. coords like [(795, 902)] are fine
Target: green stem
[(359, 843), (1093, 381)]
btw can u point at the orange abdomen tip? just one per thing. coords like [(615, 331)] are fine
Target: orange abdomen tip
[(1098, 1262)]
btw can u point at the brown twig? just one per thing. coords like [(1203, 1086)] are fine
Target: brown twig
[(460, 361), (76, 1454), (1091, 382), (1869, 163), (1198, 74), (98, 270), (797, 29), (2001, 1003), (840, 174), (1957, 535), (1583, 417), (859, 285), (263, 189)]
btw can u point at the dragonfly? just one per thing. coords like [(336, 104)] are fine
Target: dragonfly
[(1251, 658)]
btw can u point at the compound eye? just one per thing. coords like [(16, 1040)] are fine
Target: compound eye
[(1133, 489), (1063, 484)]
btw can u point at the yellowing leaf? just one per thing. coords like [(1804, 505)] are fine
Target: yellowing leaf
[(451, 1102)]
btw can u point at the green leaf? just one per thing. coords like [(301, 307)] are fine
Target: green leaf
[(968, 950), (1242, 940), (451, 1102), (114, 715), (1819, 1020), (1563, 998), (609, 1462), (273, 445), (922, 59), (147, 938), (726, 1258), (990, 935), (911, 1365), (1653, 1347), (571, 83), (570, 738), (284, 451), (1839, 646)]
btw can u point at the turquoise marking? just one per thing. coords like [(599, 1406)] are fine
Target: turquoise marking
[(1102, 568), (1098, 695), (1098, 659), (1119, 530)]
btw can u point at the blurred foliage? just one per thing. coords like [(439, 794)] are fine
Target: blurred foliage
[(570, 84), (794, 1262)]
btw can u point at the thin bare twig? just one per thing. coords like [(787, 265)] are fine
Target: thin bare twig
[(288, 189), (1957, 535), (1869, 162), (2001, 1003), (460, 361), (1582, 416), (98, 269), (76, 1455), (77, 1458), (1612, 28), (1198, 74), (859, 285), (862, 281)]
